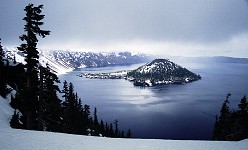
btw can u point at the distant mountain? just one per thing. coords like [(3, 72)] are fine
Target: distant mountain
[(66, 61), (60, 67), (214, 59), (91, 59), (161, 71)]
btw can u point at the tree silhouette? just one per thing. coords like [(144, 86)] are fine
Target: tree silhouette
[(3, 86), (32, 28), (225, 108), (129, 134), (232, 125), (14, 122), (50, 104), (243, 106), (116, 128), (1, 54)]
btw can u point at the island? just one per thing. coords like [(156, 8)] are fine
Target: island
[(157, 72)]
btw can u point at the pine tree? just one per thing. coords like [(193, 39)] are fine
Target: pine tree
[(116, 128), (223, 122), (1, 54), (68, 106), (232, 125), (4, 90), (81, 129), (216, 128), (75, 117), (225, 109), (243, 106), (101, 128), (111, 131), (32, 28), (122, 134), (107, 134), (50, 104), (65, 90), (95, 122), (86, 118), (14, 122), (129, 134)]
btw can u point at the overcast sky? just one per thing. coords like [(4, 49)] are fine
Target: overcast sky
[(162, 27)]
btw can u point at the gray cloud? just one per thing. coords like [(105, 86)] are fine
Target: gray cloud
[(106, 21), (157, 20)]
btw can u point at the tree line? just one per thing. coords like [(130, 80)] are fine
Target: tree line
[(232, 124), (36, 103)]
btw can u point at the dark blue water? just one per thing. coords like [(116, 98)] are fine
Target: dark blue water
[(170, 111)]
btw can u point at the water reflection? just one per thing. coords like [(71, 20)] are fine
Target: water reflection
[(169, 111)]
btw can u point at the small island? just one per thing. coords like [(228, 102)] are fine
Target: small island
[(157, 72)]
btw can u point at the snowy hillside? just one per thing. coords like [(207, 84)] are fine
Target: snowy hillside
[(58, 66), (66, 61), (91, 59), (16, 139)]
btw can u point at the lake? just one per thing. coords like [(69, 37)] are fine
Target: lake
[(168, 111)]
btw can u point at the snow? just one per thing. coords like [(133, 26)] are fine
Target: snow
[(31, 140), (58, 66), (16, 139), (82, 66), (6, 112)]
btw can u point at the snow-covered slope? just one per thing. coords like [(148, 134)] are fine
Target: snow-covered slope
[(92, 59), (34, 140), (6, 113), (58, 66), (15, 139), (65, 61)]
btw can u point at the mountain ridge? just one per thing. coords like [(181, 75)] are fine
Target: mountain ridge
[(66, 61)]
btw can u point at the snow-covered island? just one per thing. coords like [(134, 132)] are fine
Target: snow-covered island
[(157, 72)]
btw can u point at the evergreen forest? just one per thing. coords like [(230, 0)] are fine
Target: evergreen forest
[(34, 90), (232, 125)]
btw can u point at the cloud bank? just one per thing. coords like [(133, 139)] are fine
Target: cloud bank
[(163, 27)]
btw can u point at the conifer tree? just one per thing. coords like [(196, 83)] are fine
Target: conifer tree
[(50, 103), (243, 106), (32, 28), (95, 117), (232, 125), (116, 128), (14, 122), (65, 90), (107, 130), (111, 131), (129, 134), (101, 128), (220, 127), (86, 119), (3, 85), (79, 107), (1, 54), (68, 105), (95, 122), (122, 134), (225, 109)]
